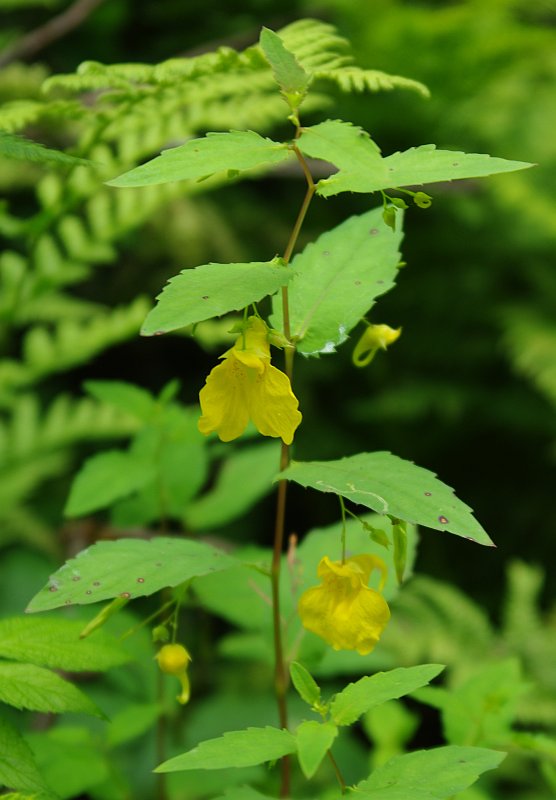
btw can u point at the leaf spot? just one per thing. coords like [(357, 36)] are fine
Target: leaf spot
[(428, 494), (76, 578), (53, 589), (205, 297), (358, 283), (140, 580), (96, 583), (88, 591), (326, 252), (126, 595), (374, 231), (443, 519)]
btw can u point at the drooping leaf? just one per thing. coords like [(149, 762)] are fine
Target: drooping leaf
[(212, 290), (128, 568), (336, 280), (359, 697), (428, 774), (55, 643), (245, 477), (105, 478), (288, 72), (13, 145), (306, 686), (18, 768), (389, 485), (199, 158), (314, 739), (39, 689), (234, 749)]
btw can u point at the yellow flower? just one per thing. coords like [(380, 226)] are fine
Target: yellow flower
[(173, 659), (373, 339), (246, 386), (343, 610)]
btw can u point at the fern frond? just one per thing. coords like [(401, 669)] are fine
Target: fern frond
[(316, 44), (72, 342), (22, 149), (352, 78), (18, 114)]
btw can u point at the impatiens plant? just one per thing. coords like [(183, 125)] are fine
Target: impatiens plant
[(303, 304)]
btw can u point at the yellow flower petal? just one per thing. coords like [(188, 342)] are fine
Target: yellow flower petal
[(344, 611), (246, 386)]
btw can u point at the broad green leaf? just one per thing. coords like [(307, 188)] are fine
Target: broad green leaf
[(244, 478), (70, 759), (235, 749), (132, 721), (288, 72), (428, 774), (357, 698), (211, 290), (390, 485), (38, 689), (306, 686), (125, 396), (337, 279), (55, 643), (105, 478), (200, 158), (314, 739), (18, 768), (361, 168), (128, 568)]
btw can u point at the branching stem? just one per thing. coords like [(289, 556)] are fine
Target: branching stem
[(339, 775)]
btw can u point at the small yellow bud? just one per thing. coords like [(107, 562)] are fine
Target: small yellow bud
[(374, 338), (173, 659)]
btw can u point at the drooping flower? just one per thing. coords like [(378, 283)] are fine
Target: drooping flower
[(343, 610), (246, 386), (373, 339), (173, 659)]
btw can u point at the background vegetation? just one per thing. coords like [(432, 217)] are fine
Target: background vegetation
[(469, 390)]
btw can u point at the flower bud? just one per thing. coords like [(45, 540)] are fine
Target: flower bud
[(374, 338), (173, 659), (422, 200), (389, 217)]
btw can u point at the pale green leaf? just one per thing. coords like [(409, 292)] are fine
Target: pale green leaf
[(126, 397), (199, 158), (337, 279), (436, 774), (38, 689), (55, 643), (234, 749), (244, 478), (314, 739), (13, 145), (288, 72), (359, 697), (105, 478), (305, 685), (128, 568), (132, 721), (18, 769), (389, 485), (212, 290)]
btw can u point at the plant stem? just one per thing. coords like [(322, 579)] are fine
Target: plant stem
[(280, 670), (343, 507), (339, 776)]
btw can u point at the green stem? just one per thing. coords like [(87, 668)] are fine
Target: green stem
[(339, 775), (343, 507), (280, 670)]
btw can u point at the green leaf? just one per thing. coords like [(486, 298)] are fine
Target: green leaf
[(357, 698), (200, 158), (314, 739), (305, 685), (337, 279), (126, 397), (211, 290), (288, 72), (361, 168), (234, 749), (13, 145), (38, 689), (244, 478), (128, 568), (390, 485), (132, 721), (243, 793), (55, 643), (18, 769), (105, 478), (428, 774)]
